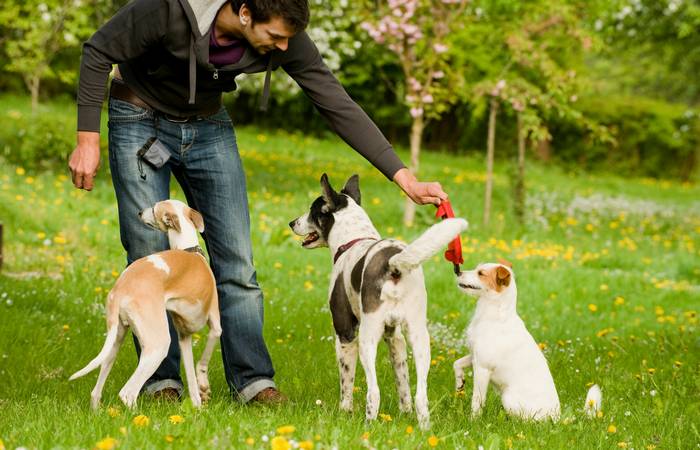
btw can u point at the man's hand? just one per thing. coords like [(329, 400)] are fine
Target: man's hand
[(85, 160), (418, 191)]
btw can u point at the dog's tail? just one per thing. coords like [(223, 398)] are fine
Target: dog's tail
[(594, 399), (113, 325), (429, 243)]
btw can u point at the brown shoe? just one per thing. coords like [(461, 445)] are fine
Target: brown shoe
[(167, 395), (269, 396)]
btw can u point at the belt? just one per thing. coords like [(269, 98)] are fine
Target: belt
[(121, 91)]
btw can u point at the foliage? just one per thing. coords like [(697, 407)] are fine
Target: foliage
[(651, 137), (38, 30)]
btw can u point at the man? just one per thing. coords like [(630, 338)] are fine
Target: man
[(175, 58)]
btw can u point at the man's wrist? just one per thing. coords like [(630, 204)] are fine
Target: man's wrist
[(404, 178), (90, 138)]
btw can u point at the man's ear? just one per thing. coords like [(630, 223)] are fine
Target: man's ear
[(352, 188), (502, 276), (329, 194), (196, 219), (171, 221)]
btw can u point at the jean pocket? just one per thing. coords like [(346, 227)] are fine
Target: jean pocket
[(122, 111), (221, 118)]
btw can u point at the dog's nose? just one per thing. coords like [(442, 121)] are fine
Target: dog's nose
[(140, 213), (291, 224)]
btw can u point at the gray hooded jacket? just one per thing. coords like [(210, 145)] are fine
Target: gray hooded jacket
[(162, 49)]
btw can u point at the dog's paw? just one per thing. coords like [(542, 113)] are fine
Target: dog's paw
[(346, 405)]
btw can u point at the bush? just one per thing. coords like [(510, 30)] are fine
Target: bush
[(37, 141), (652, 138)]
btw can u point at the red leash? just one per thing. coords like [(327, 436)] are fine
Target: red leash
[(454, 248)]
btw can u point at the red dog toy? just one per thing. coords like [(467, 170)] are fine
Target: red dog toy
[(454, 248)]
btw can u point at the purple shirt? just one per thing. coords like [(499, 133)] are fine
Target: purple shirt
[(224, 54)]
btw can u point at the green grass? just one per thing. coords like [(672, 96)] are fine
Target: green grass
[(607, 272)]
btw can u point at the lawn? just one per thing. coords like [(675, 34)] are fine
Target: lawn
[(608, 274)]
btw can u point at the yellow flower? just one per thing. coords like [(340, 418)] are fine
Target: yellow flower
[(286, 429), (20, 171), (651, 370), (2, 445), (41, 235), (306, 445), (176, 419), (29, 180), (542, 345), (60, 239), (107, 443), (277, 265), (385, 417), (122, 430), (677, 363), (365, 436), (280, 443), (141, 421), (612, 428), (250, 441), (604, 332), (376, 201), (433, 441), (622, 444), (169, 438), (409, 429), (619, 301), (604, 287), (308, 285), (66, 327), (592, 307)]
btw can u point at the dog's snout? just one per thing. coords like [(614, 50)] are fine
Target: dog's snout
[(292, 223), (140, 213)]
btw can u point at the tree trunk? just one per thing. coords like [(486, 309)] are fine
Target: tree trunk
[(34, 83), (519, 200), (489, 159), (416, 138)]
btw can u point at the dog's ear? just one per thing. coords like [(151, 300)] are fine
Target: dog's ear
[(502, 276), (352, 188), (171, 220), (196, 219), (506, 263), (329, 194)]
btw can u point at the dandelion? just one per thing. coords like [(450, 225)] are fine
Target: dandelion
[(651, 370), (604, 287), (592, 307), (612, 429), (385, 417), (59, 239), (677, 363), (107, 443), (622, 444), (66, 327), (277, 265), (141, 421), (433, 441), (280, 443), (306, 445), (250, 441), (169, 438), (113, 412), (365, 436), (409, 430), (619, 301), (176, 419), (286, 429), (308, 285), (20, 171)]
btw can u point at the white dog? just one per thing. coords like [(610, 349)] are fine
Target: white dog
[(504, 352), (178, 280), (376, 290)]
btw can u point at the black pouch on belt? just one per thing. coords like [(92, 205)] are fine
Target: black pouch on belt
[(154, 153)]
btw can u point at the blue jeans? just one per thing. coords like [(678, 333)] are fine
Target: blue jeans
[(204, 159)]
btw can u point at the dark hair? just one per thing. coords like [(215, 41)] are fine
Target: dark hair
[(294, 12)]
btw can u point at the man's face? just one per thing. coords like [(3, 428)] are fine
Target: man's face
[(265, 37)]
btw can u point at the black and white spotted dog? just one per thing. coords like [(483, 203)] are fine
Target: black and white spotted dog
[(376, 290)]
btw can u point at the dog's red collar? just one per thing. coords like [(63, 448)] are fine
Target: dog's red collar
[(345, 247)]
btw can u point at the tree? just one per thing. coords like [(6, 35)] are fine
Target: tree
[(36, 31), (418, 32)]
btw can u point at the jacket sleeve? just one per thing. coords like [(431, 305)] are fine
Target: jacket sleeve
[(303, 62), (135, 28)]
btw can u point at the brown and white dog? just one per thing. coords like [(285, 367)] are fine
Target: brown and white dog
[(178, 280), (504, 353)]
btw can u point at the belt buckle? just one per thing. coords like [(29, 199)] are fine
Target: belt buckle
[(176, 119)]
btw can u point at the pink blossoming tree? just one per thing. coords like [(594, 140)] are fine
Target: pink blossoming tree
[(418, 32)]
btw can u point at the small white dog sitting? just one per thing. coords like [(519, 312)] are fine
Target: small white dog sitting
[(503, 351), (178, 280)]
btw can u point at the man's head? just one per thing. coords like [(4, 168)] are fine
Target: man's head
[(269, 24)]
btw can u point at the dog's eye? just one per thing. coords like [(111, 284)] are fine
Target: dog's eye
[(481, 273)]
